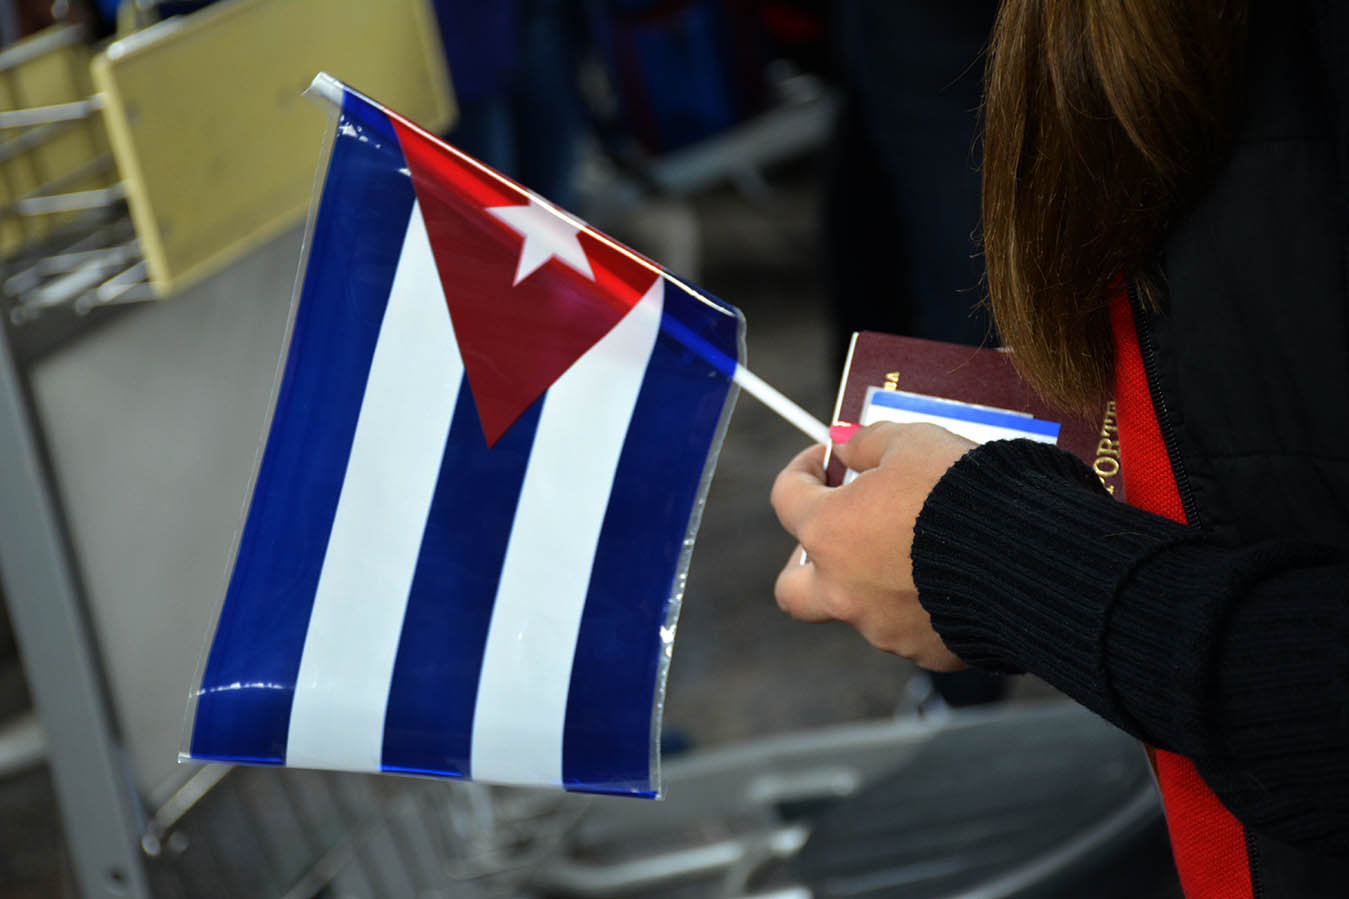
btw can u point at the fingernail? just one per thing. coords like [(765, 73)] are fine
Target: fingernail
[(843, 431)]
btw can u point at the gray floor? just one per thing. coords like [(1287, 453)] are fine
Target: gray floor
[(153, 424)]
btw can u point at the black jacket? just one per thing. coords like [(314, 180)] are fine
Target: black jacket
[(1227, 642)]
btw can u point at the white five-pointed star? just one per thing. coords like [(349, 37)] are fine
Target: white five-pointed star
[(546, 235)]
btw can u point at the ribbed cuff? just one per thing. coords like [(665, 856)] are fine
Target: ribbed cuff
[(1237, 657), (1018, 555)]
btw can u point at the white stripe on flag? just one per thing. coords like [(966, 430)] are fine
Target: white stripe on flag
[(337, 719), (521, 709)]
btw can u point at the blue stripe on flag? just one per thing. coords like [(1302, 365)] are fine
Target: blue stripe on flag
[(370, 117), (950, 409), (428, 723), (243, 709), (607, 741), (719, 360)]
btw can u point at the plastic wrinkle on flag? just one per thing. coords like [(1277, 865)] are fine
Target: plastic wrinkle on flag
[(471, 520)]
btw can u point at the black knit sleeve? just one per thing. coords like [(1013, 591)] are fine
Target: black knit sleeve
[(1237, 657)]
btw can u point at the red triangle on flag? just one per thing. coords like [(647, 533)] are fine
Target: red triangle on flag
[(516, 339)]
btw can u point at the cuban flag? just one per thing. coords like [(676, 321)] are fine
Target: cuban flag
[(466, 541)]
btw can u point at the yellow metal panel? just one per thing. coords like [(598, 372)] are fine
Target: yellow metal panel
[(62, 77), (211, 133), (16, 179), (53, 68)]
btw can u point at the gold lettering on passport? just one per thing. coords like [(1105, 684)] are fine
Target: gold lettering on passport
[(1105, 467), (1106, 464), (891, 381)]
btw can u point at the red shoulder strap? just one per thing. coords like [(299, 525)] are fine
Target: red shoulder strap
[(1208, 842)]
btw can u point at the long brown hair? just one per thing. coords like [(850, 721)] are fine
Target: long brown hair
[(1101, 118)]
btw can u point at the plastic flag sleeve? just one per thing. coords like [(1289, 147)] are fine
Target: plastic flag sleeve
[(466, 542)]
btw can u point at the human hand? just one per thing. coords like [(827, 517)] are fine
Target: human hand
[(858, 536)]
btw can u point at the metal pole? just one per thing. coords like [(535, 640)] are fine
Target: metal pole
[(99, 806)]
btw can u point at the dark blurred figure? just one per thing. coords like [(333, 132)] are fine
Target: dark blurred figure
[(681, 71), (902, 204), (102, 15), (513, 67), (21, 18), (902, 198)]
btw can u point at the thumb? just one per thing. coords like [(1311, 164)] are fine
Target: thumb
[(868, 446)]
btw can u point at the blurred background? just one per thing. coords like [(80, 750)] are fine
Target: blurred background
[(814, 163)]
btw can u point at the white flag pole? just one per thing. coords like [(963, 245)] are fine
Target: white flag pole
[(774, 399), (327, 88)]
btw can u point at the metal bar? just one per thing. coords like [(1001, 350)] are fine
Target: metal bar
[(17, 92), (128, 286), (187, 796), (123, 296), (31, 49), (21, 744), (67, 287), (775, 135), (57, 112), (91, 169), (76, 284), (1041, 868), (33, 137), (84, 199), (119, 283), (9, 173), (98, 804), (40, 264), (598, 878), (26, 280)]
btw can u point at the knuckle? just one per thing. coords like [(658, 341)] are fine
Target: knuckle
[(841, 605), (814, 535), (786, 592), (777, 496)]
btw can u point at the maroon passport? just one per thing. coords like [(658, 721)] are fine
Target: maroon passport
[(968, 375)]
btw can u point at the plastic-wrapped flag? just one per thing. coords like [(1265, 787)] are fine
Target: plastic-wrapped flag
[(467, 537)]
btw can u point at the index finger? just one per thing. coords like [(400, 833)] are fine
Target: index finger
[(799, 487)]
